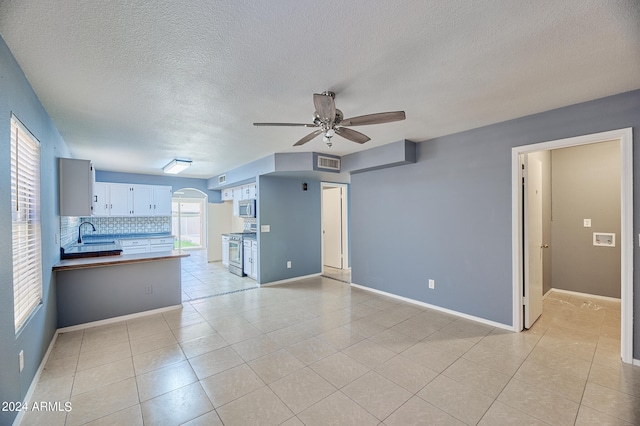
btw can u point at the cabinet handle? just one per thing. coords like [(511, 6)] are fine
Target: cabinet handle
[(96, 198), (149, 206)]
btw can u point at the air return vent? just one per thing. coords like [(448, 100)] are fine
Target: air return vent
[(222, 179), (328, 163)]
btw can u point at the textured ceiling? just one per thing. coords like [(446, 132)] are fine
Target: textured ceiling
[(133, 84)]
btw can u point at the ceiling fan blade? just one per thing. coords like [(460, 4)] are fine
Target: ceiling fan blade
[(286, 124), (352, 135), (308, 137), (325, 107), (381, 117)]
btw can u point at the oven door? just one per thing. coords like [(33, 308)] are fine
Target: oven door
[(235, 252)]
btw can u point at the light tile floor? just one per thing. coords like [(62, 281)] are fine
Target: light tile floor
[(202, 279), (343, 275), (317, 352)]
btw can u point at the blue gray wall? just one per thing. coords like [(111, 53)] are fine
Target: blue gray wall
[(294, 216), (448, 217), (585, 184), (176, 182), (17, 96)]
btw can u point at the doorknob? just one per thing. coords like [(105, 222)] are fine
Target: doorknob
[(544, 246)]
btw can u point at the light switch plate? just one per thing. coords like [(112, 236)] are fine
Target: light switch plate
[(587, 223), (265, 228)]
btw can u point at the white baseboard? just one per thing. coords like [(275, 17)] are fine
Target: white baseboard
[(288, 280), (36, 379), (437, 308), (118, 319), (577, 293), (636, 362)]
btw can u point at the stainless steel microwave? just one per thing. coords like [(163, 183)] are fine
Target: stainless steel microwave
[(247, 208)]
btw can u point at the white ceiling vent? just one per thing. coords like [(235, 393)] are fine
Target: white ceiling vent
[(222, 179), (328, 163)]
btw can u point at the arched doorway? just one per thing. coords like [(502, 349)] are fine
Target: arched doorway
[(189, 219)]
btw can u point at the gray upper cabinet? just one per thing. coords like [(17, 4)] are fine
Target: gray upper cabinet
[(76, 187)]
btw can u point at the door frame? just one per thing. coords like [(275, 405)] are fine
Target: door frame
[(345, 222), (625, 136)]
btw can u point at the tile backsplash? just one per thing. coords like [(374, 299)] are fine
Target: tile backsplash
[(130, 225), (112, 225), (68, 230)]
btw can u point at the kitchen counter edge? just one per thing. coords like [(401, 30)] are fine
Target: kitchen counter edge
[(95, 262)]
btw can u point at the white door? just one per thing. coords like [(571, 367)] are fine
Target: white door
[(332, 226), (532, 239)]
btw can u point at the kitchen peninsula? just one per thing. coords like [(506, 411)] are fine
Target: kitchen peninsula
[(98, 288)]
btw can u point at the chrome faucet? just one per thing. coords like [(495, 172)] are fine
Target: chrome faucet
[(80, 227)]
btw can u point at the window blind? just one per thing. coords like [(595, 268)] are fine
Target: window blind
[(25, 227)]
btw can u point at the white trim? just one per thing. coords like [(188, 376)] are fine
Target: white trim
[(625, 136), (636, 362), (36, 378), (118, 319), (434, 307), (578, 293), (288, 280)]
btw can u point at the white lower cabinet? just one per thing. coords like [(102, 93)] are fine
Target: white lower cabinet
[(250, 258), (225, 250), (135, 246), (161, 244), (146, 245)]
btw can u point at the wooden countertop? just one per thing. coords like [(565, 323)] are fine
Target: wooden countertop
[(95, 262)]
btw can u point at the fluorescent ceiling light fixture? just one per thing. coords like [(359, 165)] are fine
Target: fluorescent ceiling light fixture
[(176, 166)]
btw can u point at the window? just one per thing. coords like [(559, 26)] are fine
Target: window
[(25, 223)]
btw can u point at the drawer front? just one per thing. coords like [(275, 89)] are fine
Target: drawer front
[(134, 243), (158, 241), (135, 250), (160, 247)]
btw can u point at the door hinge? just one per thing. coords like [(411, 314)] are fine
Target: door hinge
[(525, 301)]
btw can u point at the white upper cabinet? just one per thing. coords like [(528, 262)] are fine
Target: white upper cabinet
[(142, 204), (123, 199), (162, 197), (227, 194), (101, 199), (76, 187), (120, 199), (248, 191)]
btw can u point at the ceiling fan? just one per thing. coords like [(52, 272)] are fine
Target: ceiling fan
[(331, 121)]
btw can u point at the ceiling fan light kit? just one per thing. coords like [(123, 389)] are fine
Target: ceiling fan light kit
[(331, 121)]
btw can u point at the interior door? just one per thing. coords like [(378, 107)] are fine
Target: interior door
[(532, 239), (332, 226)]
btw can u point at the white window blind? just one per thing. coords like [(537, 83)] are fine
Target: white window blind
[(25, 226)]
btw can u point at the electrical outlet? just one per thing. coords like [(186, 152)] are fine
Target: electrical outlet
[(288, 264), (432, 284), (21, 360), (148, 289), (586, 223)]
